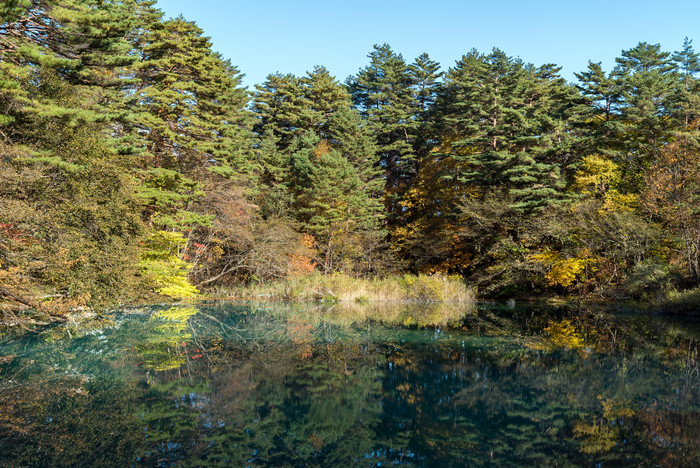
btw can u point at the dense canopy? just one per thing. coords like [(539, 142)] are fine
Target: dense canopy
[(134, 164)]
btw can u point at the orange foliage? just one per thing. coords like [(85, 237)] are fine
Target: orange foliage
[(303, 264), (301, 335), (322, 148), (672, 190)]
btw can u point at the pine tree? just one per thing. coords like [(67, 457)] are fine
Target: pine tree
[(279, 103), (382, 92), (503, 123), (189, 116), (82, 42), (687, 99), (290, 106), (353, 138), (426, 75), (426, 78), (647, 82), (60, 87), (600, 111), (335, 206), (189, 99), (323, 96)]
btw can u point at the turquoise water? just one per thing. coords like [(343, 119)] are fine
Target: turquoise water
[(220, 384)]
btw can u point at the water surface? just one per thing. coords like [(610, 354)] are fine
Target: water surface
[(220, 384)]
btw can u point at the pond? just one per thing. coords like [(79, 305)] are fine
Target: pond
[(222, 384)]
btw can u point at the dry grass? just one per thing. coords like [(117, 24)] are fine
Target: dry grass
[(347, 314), (345, 289)]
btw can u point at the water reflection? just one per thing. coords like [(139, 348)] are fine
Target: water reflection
[(286, 385)]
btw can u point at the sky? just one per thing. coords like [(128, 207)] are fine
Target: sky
[(261, 37)]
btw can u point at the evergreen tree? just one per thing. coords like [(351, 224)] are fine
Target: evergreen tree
[(323, 96), (189, 99), (61, 74), (82, 42), (600, 111), (382, 92), (274, 196), (353, 138), (504, 124), (647, 82), (687, 99), (290, 106), (189, 110), (426, 76), (336, 206), (279, 104)]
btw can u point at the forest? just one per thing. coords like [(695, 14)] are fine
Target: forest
[(135, 166)]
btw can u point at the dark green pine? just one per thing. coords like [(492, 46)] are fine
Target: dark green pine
[(190, 114), (687, 99), (647, 81), (335, 205), (505, 123), (279, 105), (426, 78), (383, 93), (323, 96)]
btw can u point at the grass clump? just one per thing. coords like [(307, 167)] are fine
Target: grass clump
[(682, 302), (343, 288)]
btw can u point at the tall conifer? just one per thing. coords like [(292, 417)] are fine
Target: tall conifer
[(382, 91)]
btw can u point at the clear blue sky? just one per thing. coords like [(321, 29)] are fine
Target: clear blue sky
[(291, 36)]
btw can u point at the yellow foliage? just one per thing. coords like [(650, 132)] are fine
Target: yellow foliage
[(164, 351), (596, 438), (322, 148), (162, 266), (217, 252), (599, 176), (596, 175), (561, 271), (177, 314), (601, 435), (565, 334), (616, 202)]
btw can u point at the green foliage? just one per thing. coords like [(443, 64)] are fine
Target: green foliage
[(72, 228), (166, 194), (649, 280), (505, 124), (383, 93), (117, 124), (684, 302)]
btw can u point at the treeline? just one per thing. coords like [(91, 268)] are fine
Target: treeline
[(132, 162)]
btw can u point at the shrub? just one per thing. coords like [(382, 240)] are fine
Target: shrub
[(161, 265), (649, 279)]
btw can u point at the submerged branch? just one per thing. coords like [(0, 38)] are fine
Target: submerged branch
[(15, 297)]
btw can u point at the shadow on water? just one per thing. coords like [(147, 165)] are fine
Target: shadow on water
[(302, 385)]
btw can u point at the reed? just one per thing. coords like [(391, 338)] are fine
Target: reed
[(343, 288)]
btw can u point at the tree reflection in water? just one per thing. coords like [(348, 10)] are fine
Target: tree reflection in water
[(286, 385)]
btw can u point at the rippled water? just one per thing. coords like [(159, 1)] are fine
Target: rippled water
[(280, 385)]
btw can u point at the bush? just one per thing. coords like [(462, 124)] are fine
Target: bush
[(682, 302), (161, 265), (649, 280)]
